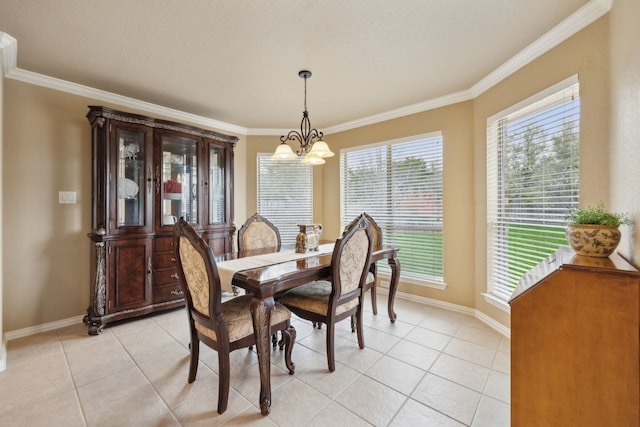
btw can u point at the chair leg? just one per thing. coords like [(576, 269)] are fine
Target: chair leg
[(274, 340), (289, 338), (359, 327), (224, 371), (330, 347), (194, 346), (374, 297), (353, 323)]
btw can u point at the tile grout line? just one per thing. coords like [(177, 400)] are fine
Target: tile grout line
[(73, 381), (135, 362)]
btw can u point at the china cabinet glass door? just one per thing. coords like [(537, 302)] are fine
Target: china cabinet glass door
[(130, 178), (217, 198), (179, 192)]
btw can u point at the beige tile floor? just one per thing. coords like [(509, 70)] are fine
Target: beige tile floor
[(432, 367)]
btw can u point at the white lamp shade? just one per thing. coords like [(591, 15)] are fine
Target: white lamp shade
[(284, 152), (321, 149), (311, 159)]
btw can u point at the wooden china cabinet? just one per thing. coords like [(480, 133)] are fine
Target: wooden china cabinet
[(147, 173)]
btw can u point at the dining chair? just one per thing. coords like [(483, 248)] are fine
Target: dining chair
[(258, 233), (372, 278), (223, 326), (341, 295)]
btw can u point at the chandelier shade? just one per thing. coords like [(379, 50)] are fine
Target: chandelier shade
[(310, 159), (284, 152), (309, 139)]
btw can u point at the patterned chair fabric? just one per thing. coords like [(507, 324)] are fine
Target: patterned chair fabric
[(339, 297), (258, 233), (237, 314), (372, 277), (223, 326)]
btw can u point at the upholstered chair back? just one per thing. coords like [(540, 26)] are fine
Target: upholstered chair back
[(376, 230), (354, 260), (258, 233), (195, 274)]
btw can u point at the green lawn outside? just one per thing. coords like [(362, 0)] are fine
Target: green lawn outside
[(523, 255), (412, 244)]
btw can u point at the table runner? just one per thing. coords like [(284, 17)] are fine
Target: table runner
[(226, 269)]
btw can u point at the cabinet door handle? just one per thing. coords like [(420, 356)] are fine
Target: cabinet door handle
[(149, 177), (177, 292), (173, 260), (157, 178), (175, 276)]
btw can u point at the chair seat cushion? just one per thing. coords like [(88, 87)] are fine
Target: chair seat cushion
[(237, 313), (314, 297)]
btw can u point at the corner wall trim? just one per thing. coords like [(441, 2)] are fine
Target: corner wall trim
[(3, 355)]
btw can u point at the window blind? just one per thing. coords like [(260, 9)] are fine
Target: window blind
[(532, 183), (285, 194), (399, 183)]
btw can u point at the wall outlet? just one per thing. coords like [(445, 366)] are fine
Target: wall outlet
[(67, 197)]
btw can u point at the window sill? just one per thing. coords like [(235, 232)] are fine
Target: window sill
[(497, 302), (385, 278)]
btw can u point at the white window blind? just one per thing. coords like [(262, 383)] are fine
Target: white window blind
[(285, 194), (399, 183), (532, 182)]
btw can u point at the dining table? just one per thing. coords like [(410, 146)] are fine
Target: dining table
[(265, 274)]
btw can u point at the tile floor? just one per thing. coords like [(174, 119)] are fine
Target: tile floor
[(432, 367)]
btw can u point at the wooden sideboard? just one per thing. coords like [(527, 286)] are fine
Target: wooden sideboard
[(575, 358)]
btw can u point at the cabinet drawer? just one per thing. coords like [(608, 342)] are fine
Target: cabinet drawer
[(165, 277), (167, 260), (163, 244), (167, 293)]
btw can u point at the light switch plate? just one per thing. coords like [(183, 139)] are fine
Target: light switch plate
[(67, 197)]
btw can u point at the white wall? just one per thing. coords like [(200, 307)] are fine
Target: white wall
[(625, 132)]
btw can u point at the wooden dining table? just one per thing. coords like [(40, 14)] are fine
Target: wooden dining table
[(264, 282)]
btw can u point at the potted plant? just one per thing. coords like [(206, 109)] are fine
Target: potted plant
[(594, 231)]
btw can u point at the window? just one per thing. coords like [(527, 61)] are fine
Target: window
[(285, 195), (399, 183), (532, 183)]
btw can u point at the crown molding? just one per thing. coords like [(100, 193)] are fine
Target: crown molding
[(382, 117), (402, 112), (9, 47), (583, 17), (580, 19)]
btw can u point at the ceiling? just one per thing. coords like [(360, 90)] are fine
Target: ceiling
[(237, 61)]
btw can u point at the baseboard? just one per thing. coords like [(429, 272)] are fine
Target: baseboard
[(32, 330), (3, 355), (497, 326)]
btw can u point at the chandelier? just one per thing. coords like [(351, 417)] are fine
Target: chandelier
[(312, 146)]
